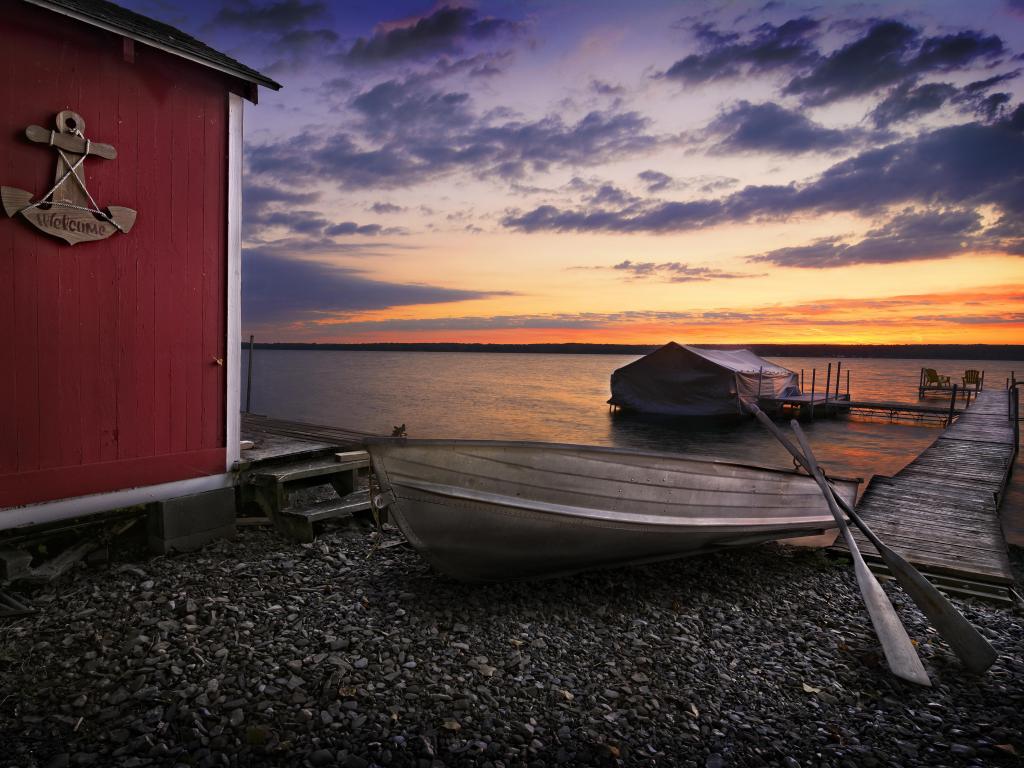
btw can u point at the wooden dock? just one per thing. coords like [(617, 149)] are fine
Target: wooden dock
[(279, 438), (824, 406), (897, 411), (941, 512), (281, 461)]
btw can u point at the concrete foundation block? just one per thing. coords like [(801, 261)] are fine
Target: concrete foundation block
[(189, 522), (14, 564)]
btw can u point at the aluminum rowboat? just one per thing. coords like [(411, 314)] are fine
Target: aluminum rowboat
[(483, 510)]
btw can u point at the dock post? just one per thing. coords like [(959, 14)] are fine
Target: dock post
[(952, 407), (248, 379), (839, 370), (920, 384), (801, 379), (847, 383), (814, 372), (1015, 414), (760, 373), (828, 386)]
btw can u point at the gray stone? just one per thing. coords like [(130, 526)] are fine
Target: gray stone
[(321, 757), (14, 564), (190, 522)]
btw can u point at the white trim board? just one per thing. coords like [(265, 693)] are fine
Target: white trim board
[(82, 506), (233, 356)]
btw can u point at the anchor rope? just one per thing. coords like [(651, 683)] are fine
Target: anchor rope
[(73, 171)]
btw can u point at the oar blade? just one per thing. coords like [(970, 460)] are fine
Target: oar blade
[(896, 644), (974, 651)]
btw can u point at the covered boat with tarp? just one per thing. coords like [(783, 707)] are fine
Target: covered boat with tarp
[(679, 380)]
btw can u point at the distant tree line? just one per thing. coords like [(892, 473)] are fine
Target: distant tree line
[(924, 351)]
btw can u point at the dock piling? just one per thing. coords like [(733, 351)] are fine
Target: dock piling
[(952, 407), (814, 372), (839, 370), (248, 379), (1015, 415), (828, 386)]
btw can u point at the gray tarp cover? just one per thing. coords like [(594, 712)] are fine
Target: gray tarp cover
[(677, 380)]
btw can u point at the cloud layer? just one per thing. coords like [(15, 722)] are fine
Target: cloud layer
[(966, 165), (283, 288)]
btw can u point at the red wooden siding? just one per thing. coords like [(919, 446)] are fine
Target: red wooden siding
[(107, 349)]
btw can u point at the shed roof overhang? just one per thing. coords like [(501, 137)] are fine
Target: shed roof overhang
[(156, 34)]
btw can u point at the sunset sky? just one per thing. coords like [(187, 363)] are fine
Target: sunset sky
[(630, 172)]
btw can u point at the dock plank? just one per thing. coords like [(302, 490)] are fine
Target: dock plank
[(941, 512), (279, 438)]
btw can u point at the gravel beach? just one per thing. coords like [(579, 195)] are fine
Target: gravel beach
[(259, 652)]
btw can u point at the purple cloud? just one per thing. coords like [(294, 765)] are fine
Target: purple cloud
[(768, 127), (445, 30)]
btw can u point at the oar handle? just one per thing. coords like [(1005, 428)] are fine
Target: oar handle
[(798, 457), (830, 497)]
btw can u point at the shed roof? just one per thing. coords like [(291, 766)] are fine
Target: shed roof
[(143, 29)]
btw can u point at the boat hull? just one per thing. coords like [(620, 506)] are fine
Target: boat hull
[(494, 511)]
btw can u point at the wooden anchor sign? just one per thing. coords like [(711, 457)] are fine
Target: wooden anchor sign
[(68, 211)]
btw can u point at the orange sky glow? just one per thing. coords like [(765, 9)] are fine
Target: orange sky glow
[(607, 172)]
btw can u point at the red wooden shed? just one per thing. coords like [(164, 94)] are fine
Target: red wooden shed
[(118, 356)]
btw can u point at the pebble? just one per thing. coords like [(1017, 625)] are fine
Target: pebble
[(321, 757), (237, 655)]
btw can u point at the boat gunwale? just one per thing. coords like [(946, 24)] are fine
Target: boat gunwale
[(605, 449), (719, 524), (816, 494)]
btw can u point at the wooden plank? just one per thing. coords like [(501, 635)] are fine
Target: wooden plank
[(164, 265), (940, 511), (149, 186), (988, 545), (312, 468), (950, 564), (214, 285), (951, 528), (176, 339), (48, 391), (69, 404), (126, 257), (191, 313), (927, 514), (65, 482), (103, 122), (8, 257), (358, 501), (942, 526), (26, 365)]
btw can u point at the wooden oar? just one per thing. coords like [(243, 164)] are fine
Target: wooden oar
[(974, 651), (899, 650)]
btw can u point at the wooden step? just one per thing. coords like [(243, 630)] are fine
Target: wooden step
[(297, 523), (979, 590), (358, 501), (287, 473)]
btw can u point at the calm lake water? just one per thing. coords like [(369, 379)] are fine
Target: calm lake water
[(562, 398)]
